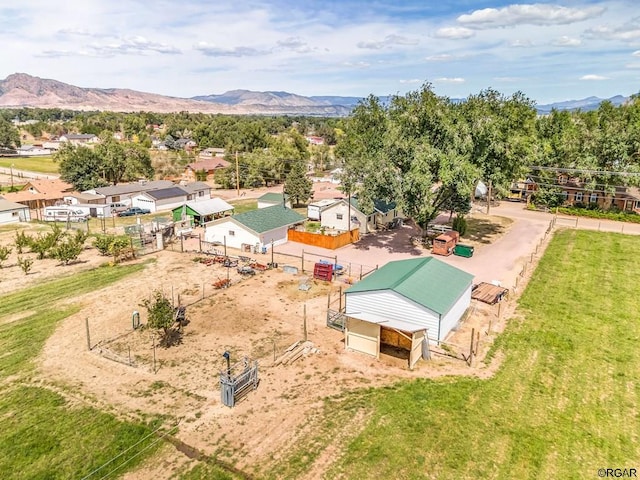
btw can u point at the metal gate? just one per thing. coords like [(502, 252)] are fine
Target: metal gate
[(336, 320), (234, 387)]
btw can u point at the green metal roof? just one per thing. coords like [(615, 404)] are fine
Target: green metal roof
[(272, 197), (266, 219), (378, 206), (426, 281)]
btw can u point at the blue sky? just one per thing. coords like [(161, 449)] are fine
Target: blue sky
[(550, 51)]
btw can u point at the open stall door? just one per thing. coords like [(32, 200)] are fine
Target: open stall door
[(361, 336)]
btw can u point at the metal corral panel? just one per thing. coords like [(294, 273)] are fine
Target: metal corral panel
[(389, 304), (363, 337), (453, 316)]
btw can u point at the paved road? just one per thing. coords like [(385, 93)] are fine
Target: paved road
[(501, 261)]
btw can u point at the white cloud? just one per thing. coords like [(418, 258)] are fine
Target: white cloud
[(356, 64), (443, 57), (592, 77), (532, 14), (454, 33), (211, 50), (449, 80), (636, 53), (521, 43), (632, 65), (388, 41), (136, 45), (626, 33), (566, 41)]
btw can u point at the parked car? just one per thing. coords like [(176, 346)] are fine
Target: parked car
[(130, 212)]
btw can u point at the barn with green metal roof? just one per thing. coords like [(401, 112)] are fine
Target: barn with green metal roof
[(407, 300), (254, 229)]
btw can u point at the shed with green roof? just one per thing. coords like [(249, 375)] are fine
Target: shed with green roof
[(254, 229), (270, 199), (409, 297)]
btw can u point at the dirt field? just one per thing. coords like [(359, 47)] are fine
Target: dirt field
[(251, 318)]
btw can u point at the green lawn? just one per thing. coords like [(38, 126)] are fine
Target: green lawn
[(43, 164), (563, 404), (246, 205), (43, 435)]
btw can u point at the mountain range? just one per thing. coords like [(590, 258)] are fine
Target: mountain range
[(23, 90)]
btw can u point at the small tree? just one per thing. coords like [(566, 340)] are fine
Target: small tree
[(67, 251), (25, 264), (4, 254), (460, 225), (161, 315), (112, 245), (297, 185), (22, 240), (43, 244)]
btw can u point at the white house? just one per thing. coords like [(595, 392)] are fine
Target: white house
[(270, 199), (406, 299), (160, 199), (79, 138), (124, 192), (11, 212), (33, 151), (197, 191), (315, 209), (347, 214), (253, 230)]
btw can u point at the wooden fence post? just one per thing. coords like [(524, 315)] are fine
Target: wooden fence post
[(302, 261), (304, 322), (473, 334), (200, 243), (154, 353), (181, 244), (86, 322)]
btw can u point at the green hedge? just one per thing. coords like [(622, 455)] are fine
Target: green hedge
[(607, 215)]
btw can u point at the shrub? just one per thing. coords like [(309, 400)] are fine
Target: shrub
[(606, 215), (67, 251), (25, 264), (4, 254), (460, 225), (22, 240)]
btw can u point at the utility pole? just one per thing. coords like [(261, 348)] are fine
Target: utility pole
[(489, 197), (237, 175)]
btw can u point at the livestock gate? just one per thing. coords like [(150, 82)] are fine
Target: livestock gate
[(235, 386)]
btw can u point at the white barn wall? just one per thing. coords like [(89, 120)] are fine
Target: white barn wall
[(15, 216), (217, 233), (452, 317), (388, 304), (278, 235)]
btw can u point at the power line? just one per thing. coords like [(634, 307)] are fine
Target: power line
[(582, 170), (125, 451)]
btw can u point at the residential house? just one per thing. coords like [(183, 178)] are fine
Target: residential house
[(12, 212), (270, 199), (51, 145), (40, 193), (79, 138), (199, 213), (209, 166), (254, 231), (403, 304), (315, 140), (197, 191), (160, 199), (212, 152), (185, 144), (33, 151), (346, 214), (575, 191), (124, 192)]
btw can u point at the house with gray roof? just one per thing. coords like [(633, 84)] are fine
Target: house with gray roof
[(12, 212), (254, 230), (124, 192), (404, 304), (197, 191), (160, 199)]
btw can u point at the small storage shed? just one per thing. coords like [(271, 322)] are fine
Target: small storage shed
[(272, 198), (445, 243), (406, 299)]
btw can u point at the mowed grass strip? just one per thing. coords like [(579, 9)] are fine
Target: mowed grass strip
[(564, 402), (43, 436), (44, 164)]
